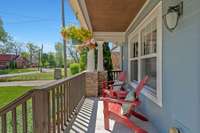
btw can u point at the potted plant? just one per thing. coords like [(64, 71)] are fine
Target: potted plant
[(88, 44), (75, 34)]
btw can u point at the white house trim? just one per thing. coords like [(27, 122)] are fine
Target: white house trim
[(80, 8), (138, 14), (85, 14), (155, 13), (116, 37)]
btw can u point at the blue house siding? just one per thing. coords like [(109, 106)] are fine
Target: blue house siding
[(181, 71)]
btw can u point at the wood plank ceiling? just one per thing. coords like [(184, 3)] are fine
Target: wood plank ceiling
[(112, 15)]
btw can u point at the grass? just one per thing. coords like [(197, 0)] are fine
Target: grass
[(36, 76), (12, 71), (8, 94)]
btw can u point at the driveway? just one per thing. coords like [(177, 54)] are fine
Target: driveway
[(26, 83)]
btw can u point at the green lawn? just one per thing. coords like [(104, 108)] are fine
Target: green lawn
[(8, 94), (12, 71), (37, 76)]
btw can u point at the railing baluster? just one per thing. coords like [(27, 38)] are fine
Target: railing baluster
[(65, 104), (24, 117), (50, 111), (53, 111), (62, 106), (14, 121), (4, 123), (68, 100), (58, 108)]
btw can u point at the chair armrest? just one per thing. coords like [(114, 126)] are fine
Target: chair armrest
[(111, 81), (107, 99), (117, 84)]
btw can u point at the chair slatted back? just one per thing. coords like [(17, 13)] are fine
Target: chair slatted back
[(140, 86), (122, 76)]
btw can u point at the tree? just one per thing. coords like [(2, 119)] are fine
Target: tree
[(107, 57), (7, 46), (7, 43), (33, 49), (44, 60), (17, 47), (24, 54), (3, 33), (51, 59), (73, 53), (83, 59), (59, 54)]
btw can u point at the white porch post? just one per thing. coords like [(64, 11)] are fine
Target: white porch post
[(100, 66), (90, 61)]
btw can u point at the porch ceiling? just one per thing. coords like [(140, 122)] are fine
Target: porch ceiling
[(112, 15)]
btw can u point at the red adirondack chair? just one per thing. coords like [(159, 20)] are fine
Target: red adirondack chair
[(109, 85), (120, 81), (112, 110)]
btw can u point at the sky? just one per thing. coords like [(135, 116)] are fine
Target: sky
[(37, 21)]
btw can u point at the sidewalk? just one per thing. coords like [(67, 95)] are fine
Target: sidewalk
[(26, 83), (17, 74)]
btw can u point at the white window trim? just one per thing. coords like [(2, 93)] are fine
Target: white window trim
[(155, 13)]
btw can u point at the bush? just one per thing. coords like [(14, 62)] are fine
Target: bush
[(83, 59), (13, 65), (74, 68)]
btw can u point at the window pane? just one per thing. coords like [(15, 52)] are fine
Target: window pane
[(134, 70), (149, 38), (134, 47), (148, 67)]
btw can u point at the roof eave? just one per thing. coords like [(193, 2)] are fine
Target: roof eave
[(80, 10)]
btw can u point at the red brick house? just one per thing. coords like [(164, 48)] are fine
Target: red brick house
[(5, 60), (116, 57)]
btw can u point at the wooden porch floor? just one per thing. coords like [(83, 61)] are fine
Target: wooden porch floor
[(90, 120)]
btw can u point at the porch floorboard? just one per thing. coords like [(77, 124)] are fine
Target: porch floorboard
[(90, 120)]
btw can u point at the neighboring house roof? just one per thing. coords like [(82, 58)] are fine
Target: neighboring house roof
[(21, 59), (8, 57)]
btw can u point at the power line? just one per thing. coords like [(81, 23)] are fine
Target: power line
[(19, 15), (31, 21), (34, 19)]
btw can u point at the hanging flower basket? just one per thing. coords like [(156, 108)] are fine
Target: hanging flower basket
[(65, 33), (88, 44), (76, 42), (77, 35)]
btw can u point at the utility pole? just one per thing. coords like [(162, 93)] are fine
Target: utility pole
[(41, 58), (64, 41)]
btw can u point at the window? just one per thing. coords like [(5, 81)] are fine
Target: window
[(145, 54)]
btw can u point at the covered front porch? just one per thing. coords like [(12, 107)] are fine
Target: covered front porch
[(68, 105)]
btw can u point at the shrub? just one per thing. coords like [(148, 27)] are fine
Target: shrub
[(83, 59), (74, 68), (13, 65)]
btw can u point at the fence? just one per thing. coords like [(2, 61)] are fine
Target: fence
[(48, 109)]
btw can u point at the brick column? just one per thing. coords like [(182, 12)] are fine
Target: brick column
[(91, 84), (101, 77)]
